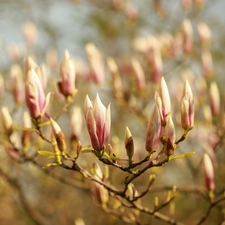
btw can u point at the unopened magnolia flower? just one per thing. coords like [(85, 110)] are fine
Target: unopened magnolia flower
[(76, 122), (7, 120), (98, 121), (214, 96), (187, 36), (164, 95), (28, 65), (170, 137), (59, 135), (187, 107), (2, 86), (68, 75), (139, 74), (129, 143), (207, 64), (35, 97), (153, 130), (17, 84), (208, 172), (96, 63), (204, 34)]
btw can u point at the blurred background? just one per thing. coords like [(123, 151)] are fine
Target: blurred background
[(44, 29)]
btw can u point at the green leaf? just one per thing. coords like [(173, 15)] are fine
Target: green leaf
[(46, 153), (187, 154)]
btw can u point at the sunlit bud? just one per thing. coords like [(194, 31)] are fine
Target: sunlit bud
[(28, 65), (67, 73), (97, 171), (76, 122), (98, 121), (186, 4), (139, 74), (208, 172), (59, 135), (30, 33), (207, 114), (96, 63), (170, 137), (153, 130), (131, 191), (26, 135), (151, 179), (187, 107), (157, 67), (156, 201), (214, 97), (116, 79), (187, 36), (155, 58), (2, 86), (165, 97), (207, 64), (100, 194), (7, 120), (35, 97), (129, 143), (17, 84), (204, 34), (106, 173)]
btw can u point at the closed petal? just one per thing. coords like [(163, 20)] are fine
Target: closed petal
[(107, 126), (91, 126)]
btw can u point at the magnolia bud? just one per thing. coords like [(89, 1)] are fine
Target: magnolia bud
[(26, 135), (7, 120), (59, 136), (170, 137), (214, 96), (129, 143), (209, 172)]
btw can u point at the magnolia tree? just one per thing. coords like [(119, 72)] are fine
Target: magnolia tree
[(115, 140)]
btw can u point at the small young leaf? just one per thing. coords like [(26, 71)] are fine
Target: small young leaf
[(187, 154)]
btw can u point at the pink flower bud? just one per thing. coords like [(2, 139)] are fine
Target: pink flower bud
[(208, 172), (59, 135), (129, 143), (187, 107), (165, 97), (214, 96), (207, 64), (7, 120), (116, 79), (187, 36), (153, 130), (170, 137), (76, 122), (96, 63), (98, 121), (17, 84), (35, 97), (42, 74), (139, 74), (67, 72), (204, 34)]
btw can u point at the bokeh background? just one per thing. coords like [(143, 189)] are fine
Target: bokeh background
[(70, 25)]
